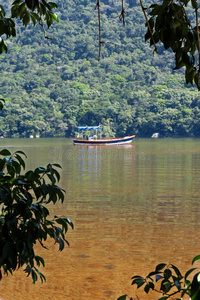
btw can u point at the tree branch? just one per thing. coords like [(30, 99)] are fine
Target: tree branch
[(143, 9), (198, 39), (41, 22), (99, 18), (183, 8), (123, 13)]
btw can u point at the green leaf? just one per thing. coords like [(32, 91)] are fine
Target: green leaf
[(194, 3), (26, 19), (195, 259), (151, 285), (160, 267), (60, 194), (34, 17), (147, 288), (42, 277), (1, 104), (21, 10), (40, 170), (53, 5), (195, 288), (177, 271), (63, 223), (52, 178), (197, 80), (10, 170), (5, 152), (61, 244), (140, 283), (20, 160), (20, 152), (136, 280), (153, 273), (34, 276), (39, 260), (122, 297), (27, 270), (31, 4), (196, 296), (57, 165), (7, 249), (158, 277), (137, 276), (42, 9), (167, 285), (167, 273), (176, 24), (70, 223), (57, 174), (177, 284), (189, 272), (55, 18), (17, 2), (16, 166), (45, 4)]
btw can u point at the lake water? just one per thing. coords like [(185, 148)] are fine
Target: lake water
[(132, 207)]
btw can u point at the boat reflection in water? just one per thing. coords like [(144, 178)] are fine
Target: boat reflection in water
[(97, 163)]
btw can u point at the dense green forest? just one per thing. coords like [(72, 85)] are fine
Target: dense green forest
[(51, 86)]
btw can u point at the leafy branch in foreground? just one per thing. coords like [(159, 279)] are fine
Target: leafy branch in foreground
[(171, 24), (176, 26), (24, 216), (167, 281), (35, 11)]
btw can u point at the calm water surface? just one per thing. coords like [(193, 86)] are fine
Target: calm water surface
[(132, 206)]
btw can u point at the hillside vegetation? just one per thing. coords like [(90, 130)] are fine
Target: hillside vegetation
[(51, 86)]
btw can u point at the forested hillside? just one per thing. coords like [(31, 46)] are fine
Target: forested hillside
[(51, 86)]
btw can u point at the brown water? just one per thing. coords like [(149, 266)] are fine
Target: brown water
[(133, 207)]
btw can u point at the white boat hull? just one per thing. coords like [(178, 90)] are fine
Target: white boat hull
[(102, 142)]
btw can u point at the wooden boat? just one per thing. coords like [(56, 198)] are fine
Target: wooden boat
[(94, 140)]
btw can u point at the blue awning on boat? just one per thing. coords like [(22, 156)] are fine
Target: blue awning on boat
[(88, 127)]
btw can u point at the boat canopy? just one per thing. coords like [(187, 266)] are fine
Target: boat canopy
[(88, 127)]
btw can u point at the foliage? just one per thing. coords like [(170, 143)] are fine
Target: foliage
[(167, 281), (27, 11), (24, 217), (171, 24), (50, 86)]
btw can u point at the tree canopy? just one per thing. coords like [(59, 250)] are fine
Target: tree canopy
[(27, 11), (176, 25), (50, 86), (173, 23)]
